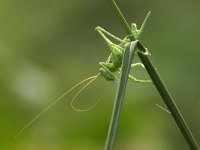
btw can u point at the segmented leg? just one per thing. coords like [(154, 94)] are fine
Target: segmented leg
[(103, 31), (138, 80), (105, 72), (139, 64), (106, 65)]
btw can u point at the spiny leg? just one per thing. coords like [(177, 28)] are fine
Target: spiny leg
[(139, 64), (105, 72), (138, 80), (103, 32), (114, 47), (106, 65)]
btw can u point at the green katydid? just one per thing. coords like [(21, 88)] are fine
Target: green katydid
[(107, 69)]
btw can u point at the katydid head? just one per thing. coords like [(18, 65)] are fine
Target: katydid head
[(107, 74), (137, 32)]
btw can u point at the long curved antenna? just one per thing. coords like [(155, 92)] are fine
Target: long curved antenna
[(73, 100), (53, 103)]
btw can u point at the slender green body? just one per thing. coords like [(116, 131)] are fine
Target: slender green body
[(114, 62)]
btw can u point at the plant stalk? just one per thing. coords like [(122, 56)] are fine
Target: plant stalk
[(122, 19), (126, 65), (167, 98)]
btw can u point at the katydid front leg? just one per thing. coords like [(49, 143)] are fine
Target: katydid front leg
[(105, 71)]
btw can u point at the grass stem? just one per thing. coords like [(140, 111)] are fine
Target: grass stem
[(167, 98), (126, 65), (122, 19)]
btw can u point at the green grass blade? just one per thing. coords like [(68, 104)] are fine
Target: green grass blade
[(167, 98), (126, 65), (122, 19), (159, 84)]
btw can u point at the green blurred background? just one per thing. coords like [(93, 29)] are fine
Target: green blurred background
[(47, 46)]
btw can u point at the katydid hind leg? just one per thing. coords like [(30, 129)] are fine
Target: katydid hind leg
[(139, 64), (103, 32), (138, 80)]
